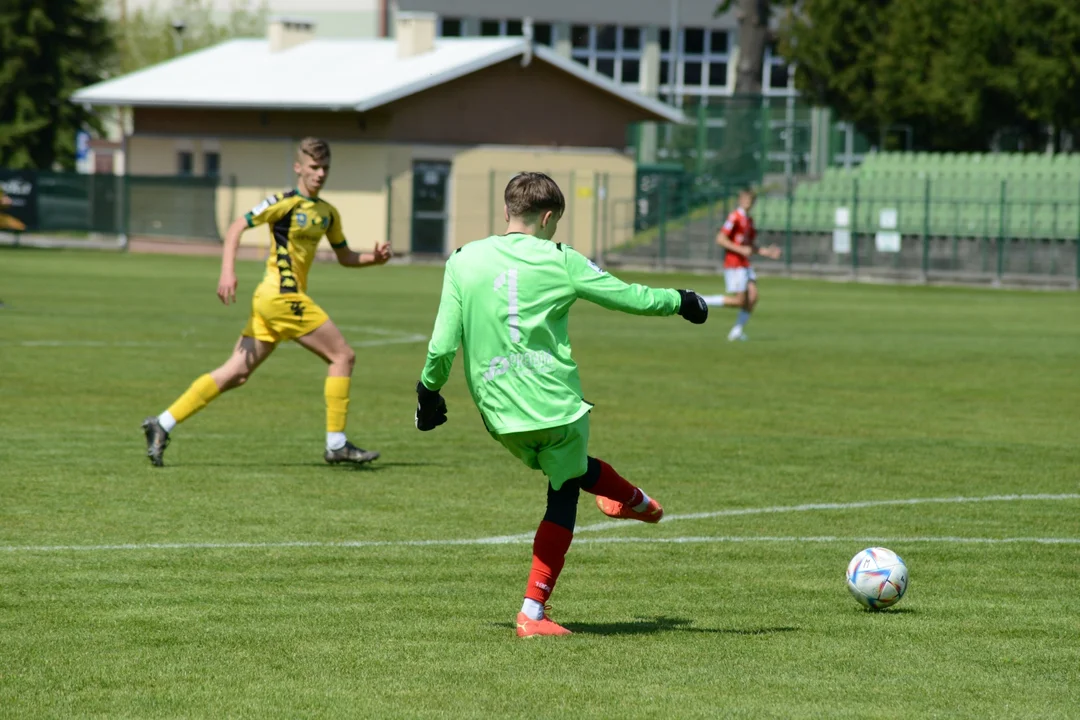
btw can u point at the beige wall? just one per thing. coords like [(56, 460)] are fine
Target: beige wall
[(589, 179), (594, 181)]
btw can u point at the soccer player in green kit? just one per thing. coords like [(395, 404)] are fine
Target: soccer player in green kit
[(506, 300)]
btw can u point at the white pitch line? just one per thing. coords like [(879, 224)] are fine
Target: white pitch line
[(522, 538), (388, 339), (734, 512), (518, 540)]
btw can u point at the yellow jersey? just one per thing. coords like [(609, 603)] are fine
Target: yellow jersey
[(297, 224)]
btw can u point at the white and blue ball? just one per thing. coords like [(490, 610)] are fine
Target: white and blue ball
[(877, 577)]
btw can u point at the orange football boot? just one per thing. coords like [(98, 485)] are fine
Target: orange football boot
[(611, 508), (527, 627)]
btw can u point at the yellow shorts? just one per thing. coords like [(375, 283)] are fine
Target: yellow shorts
[(276, 316)]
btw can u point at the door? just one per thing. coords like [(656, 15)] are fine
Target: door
[(430, 181)]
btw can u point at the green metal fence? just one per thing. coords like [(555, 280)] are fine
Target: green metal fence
[(928, 229), (176, 207)]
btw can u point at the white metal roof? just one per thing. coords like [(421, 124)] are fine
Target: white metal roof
[(326, 74)]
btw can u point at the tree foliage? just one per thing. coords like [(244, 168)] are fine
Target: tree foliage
[(957, 72), (148, 36), (48, 50)]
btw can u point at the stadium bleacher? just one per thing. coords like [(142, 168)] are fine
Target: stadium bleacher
[(1008, 195)]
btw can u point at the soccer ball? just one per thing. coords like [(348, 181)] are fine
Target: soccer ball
[(877, 577)]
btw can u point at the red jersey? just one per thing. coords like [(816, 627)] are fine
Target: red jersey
[(739, 228)]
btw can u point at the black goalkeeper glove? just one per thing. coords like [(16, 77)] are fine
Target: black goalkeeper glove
[(693, 307), (430, 408)]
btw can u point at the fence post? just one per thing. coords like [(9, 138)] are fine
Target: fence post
[(595, 254), (787, 225), (855, 227), (926, 231), (662, 219), (607, 219), (570, 208), (702, 136), (1001, 236), (710, 248), (491, 202), (389, 209)]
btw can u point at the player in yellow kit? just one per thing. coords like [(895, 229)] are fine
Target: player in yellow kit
[(281, 309)]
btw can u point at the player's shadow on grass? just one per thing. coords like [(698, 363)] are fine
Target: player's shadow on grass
[(343, 467), (644, 626), (648, 626)]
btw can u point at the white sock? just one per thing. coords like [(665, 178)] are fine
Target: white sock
[(644, 501), (335, 440), (166, 421), (533, 609), (744, 317)]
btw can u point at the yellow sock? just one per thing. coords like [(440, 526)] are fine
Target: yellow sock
[(337, 403), (194, 399)]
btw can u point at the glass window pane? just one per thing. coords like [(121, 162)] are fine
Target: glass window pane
[(779, 77), (606, 66), (692, 73), (514, 27), (451, 27), (665, 72), (605, 37), (579, 36), (631, 38), (582, 58), (665, 40), (212, 164), (718, 42), (185, 163), (694, 41), (717, 74), (489, 28), (631, 71), (542, 33)]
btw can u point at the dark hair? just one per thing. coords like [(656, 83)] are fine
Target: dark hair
[(532, 193), (315, 148)]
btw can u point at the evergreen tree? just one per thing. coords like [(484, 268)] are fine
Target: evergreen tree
[(48, 50)]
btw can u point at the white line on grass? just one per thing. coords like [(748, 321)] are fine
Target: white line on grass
[(389, 337), (522, 538)]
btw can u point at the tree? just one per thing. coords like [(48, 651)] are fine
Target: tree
[(957, 72), (48, 50), (149, 37), (754, 37)]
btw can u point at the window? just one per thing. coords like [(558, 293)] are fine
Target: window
[(694, 41), (777, 73), (185, 163), (542, 33), (692, 73), (609, 50), (211, 164), (606, 38), (450, 27), (702, 70), (490, 28), (579, 37), (514, 27), (718, 75)]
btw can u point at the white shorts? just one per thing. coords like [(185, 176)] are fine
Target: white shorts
[(736, 279)]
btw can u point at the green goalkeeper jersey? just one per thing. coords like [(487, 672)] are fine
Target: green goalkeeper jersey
[(506, 301)]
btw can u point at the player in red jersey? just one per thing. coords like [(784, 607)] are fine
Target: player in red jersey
[(737, 238)]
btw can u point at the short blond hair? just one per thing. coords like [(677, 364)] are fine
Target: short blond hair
[(315, 148)]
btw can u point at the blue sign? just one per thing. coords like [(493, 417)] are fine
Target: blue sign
[(82, 145)]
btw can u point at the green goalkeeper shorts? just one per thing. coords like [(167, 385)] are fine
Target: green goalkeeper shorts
[(562, 452)]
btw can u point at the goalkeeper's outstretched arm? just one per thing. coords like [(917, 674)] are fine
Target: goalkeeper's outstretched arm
[(597, 286)]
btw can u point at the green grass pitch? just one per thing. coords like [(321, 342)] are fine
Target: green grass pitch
[(259, 582)]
